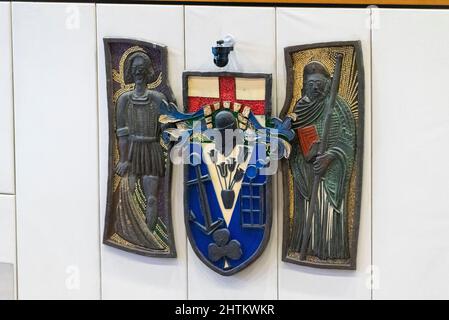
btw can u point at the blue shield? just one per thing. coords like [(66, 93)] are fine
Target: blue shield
[(228, 139)]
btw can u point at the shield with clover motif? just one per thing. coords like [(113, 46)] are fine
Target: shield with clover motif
[(228, 211)]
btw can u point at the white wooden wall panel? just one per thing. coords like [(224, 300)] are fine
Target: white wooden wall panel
[(7, 246), (7, 229), (127, 275), (56, 150), (297, 26), (254, 32), (61, 150), (7, 282), (410, 139), (6, 103)]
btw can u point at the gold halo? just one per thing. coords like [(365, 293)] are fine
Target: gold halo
[(119, 76)]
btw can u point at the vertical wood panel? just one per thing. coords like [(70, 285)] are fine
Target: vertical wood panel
[(410, 139), (56, 121), (7, 282), (126, 275), (6, 102), (7, 229), (7, 246), (56, 149), (254, 32), (297, 26)]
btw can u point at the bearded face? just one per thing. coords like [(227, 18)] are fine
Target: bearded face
[(315, 86)]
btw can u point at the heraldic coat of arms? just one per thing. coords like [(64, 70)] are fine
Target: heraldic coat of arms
[(230, 146)]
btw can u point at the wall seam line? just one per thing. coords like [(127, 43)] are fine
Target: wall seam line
[(183, 188), (16, 269), (278, 191), (371, 151), (98, 158)]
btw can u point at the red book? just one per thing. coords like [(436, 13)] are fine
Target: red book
[(307, 137)]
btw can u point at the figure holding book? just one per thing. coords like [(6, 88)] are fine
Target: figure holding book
[(328, 234)]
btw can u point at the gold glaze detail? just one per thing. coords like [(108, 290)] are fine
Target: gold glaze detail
[(119, 76), (349, 92), (349, 76), (138, 202), (119, 240)]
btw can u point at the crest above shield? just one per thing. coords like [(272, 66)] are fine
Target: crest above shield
[(230, 143)]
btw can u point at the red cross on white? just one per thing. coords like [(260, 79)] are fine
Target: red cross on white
[(204, 90)]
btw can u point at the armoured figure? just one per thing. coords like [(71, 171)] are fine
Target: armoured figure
[(138, 132)]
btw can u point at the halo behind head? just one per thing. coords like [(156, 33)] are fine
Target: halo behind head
[(128, 77), (314, 67)]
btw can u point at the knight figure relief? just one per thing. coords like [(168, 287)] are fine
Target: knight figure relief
[(138, 217)]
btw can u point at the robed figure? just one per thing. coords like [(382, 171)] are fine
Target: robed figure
[(329, 229)]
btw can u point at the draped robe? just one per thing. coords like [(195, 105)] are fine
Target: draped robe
[(329, 234)]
